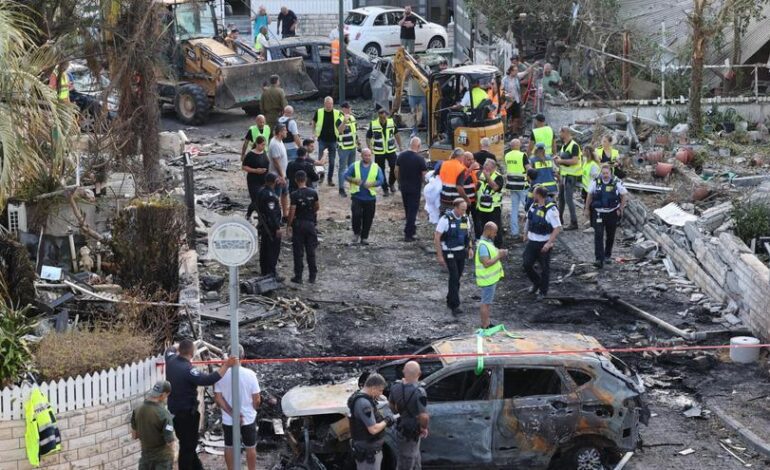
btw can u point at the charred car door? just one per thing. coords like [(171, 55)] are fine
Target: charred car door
[(539, 413), (461, 417)]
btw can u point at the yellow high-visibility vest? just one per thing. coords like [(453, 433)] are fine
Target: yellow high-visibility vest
[(487, 276), (576, 169), (544, 135), (319, 121), (370, 178), (42, 435)]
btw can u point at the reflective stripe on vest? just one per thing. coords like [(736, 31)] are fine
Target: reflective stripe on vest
[(536, 221), (490, 275), (515, 176), (544, 135), (319, 121), (470, 186), (487, 200), (378, 139), (587, 166), (449, 174), (255, 132), (457, 231), (605, 195), (42, 435), (370, 178), (347, 140), (576, 169), (336, 52), (545, 175)]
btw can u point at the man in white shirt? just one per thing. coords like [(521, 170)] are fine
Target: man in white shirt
[(542, 228), (279, 160), (293, 140), (604, 207), (250, 401)]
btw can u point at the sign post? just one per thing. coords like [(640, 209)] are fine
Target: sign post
[(233, 241)]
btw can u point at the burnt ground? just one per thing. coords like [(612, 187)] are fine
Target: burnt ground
[(388, 298)]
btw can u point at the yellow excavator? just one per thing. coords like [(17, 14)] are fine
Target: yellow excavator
[(206, 74), (449, 124)]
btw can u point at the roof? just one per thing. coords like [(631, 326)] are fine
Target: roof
[(473, 71), (529, 341), (374, 10)]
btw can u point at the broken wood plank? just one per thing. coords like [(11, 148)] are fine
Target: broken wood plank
[(245, 316), (648, 188)]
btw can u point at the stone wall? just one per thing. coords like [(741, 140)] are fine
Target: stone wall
[(721, 265), (93, 438)]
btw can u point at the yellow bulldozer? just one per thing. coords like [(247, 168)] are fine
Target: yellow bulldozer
[(205, 74), (449, 124)]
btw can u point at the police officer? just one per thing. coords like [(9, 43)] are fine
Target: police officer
[(302, 220), (453, 243), (269, 210), (367, 425), (547, 173), (302, 163), (605, 203), (543, 226), (183, 400), (489, 200), (408, 399)]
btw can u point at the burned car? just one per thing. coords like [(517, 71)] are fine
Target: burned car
[(532, 410)]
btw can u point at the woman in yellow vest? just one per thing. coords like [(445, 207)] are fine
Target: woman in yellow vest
[(608, 154), (59, 81), (489, 269), (591, 169)]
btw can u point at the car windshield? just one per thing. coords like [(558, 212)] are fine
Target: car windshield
[(84, 81), (355, 19), (194, 20)]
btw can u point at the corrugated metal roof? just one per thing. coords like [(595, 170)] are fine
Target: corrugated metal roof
[(647, 17)]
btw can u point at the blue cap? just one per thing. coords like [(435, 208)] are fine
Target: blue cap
[(540, 145)]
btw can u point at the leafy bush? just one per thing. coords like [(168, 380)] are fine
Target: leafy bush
[(15, 351), (63, 355), (752, 220)]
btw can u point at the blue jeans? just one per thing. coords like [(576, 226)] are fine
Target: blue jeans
[(332, 146), (414, 102), (517, 199), (347, 158)]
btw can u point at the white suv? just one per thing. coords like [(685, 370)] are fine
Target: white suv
[(375, 31)]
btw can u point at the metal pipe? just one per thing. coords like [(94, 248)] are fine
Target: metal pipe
[(234, 348), (657, 321), (342, 74)]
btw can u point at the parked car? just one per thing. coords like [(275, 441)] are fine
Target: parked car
[(528, 411), (375, 32), (316, 53), (88, 95)]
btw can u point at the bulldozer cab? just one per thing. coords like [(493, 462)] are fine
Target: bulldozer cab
[(205, 73), (452, 124)]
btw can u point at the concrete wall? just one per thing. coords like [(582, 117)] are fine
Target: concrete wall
[(93, 438)]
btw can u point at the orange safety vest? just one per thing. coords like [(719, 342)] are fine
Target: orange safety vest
[(492, 95), (336, 52), (449, 174)]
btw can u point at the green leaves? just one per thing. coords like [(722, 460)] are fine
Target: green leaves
[(15, 351)]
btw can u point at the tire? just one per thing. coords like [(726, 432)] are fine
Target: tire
[(587, 457), (366, 91), (436, 42), (191, 104), (372, 50), (252, 110)]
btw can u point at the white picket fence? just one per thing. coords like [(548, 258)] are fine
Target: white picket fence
[(99, 388)]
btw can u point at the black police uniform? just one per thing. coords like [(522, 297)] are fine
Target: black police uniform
[(183, 404), (269, 210), (304, 164), (304, 237)]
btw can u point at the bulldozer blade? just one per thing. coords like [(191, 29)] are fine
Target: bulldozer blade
[(241, 85)]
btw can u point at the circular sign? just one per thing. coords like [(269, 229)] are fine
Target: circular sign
[(233, 241)]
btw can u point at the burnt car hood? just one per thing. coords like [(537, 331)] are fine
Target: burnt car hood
[(318, 399)]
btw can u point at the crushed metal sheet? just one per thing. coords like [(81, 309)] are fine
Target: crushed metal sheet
[(672, 214)]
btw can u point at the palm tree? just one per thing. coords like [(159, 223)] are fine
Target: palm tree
[(35, 127)]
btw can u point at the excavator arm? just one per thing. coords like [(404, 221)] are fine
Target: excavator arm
[(404, 65)]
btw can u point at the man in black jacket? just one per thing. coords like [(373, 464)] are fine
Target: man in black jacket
[(302, 163), (183, 400), (269, 210)]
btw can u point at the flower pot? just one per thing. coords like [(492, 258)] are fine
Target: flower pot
[(700, 193), (654, 157), (685, 155), (662, 170)]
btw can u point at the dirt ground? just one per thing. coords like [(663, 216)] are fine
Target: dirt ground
[(388, 298)]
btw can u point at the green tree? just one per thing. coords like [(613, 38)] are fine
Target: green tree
[(35, 127)]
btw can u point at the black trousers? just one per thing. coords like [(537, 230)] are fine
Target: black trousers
[(455, 263), (411, 208), (362, 214), (304, 240), (481, 218), (253, 191), (269, 251), (604, 222), (186, 425), (532, 255), (390, 158)]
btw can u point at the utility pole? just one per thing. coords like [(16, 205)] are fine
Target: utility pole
[(342, 75)]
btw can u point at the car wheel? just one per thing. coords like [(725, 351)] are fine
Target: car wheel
[(372, 50), (437, 42), (587, 457), (191, 104)]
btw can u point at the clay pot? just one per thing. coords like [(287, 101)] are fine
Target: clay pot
[(663, 139), (757, 160), (662, 170), (700, 193), (685, 155), (654, 157)]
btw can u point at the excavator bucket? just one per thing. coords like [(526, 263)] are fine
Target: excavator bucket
[(241, 85)]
